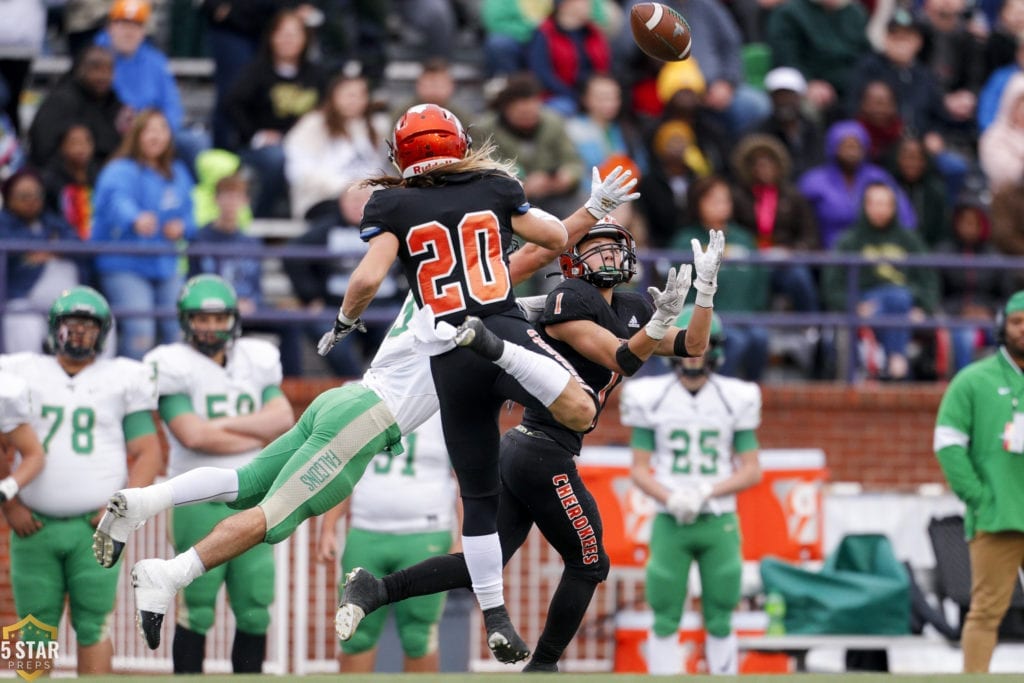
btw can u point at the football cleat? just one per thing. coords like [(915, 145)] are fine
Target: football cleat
[(505, 643), (474, 335), (538, 667), (125, 513), (154, 590), (363, 593)]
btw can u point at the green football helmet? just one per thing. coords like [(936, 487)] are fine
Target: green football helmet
[(208, 294), (713, 357), (83, 302)]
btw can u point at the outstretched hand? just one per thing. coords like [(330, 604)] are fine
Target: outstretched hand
[(609, 194), (706, 264), (339, 332), (668, 303)]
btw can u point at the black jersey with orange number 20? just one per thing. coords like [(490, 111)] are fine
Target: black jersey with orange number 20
[(453, 238)]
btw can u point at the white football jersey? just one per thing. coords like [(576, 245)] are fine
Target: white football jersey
[(233, 389), (15, 402), (408, 493), (693, 434), (400, 375), (79, 422)]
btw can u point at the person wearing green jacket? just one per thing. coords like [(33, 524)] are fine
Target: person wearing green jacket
[(885, 288), (749, 289), (979, 442)]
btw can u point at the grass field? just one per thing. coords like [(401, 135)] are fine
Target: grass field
[(581, 678)]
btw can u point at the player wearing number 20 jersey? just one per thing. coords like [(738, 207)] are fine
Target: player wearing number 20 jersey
[(453, 240), (450, 220)]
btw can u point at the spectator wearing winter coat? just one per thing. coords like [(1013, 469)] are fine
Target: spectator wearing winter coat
[(85, 96), (835, 188), (34, 278), (143, 196), (885, 288), (1001, 148), (822, 39), (280, 85), (564, 51), (142, 74), (70, 179)]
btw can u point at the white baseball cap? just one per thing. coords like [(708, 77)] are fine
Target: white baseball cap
[(785, 78)]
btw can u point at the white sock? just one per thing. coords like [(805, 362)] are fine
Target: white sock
[(203, 485), (185, 568), (722, 655), (664, 656), (540, 375), (483, 559)]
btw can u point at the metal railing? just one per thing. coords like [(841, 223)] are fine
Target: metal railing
[(847, 322)]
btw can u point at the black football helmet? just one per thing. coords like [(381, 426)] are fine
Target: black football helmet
[(573, 263)]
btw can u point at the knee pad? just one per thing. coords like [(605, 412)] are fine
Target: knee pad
[(90, 626), (596, 571), (195, 608), (418, 638), (717, 621)]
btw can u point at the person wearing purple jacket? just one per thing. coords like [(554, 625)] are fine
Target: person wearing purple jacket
[(834, 188)]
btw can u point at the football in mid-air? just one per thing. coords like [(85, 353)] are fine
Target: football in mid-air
[(660, 31)]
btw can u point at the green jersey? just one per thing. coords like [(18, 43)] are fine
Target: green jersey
[(973, 441)]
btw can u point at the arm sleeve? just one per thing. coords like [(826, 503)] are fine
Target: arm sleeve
[(141, 390), (748, 416), (184, 186), (115, 206), (567, 302), (632, 408), (642, 439), (171, 104), (170, 373), (512, 191), (952, 439), (138, 424), (173, 405), (745, 441), (15, 402), (374, 222)]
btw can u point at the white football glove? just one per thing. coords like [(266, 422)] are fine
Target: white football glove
[(611, 193), (706, 265), (532, 306), (668, 303), (685, 502), (8, 489), (340, 331)]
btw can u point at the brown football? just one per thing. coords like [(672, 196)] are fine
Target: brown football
[(660, 31)]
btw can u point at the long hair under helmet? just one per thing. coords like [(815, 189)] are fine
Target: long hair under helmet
[(425, 137)]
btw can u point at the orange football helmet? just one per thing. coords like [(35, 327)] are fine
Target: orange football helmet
[(425, 137)]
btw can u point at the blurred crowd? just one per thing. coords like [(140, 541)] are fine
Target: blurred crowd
[(882, 128)]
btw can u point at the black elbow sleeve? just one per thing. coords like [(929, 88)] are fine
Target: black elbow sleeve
[(627, 360)]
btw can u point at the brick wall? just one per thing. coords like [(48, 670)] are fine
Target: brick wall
[(880, 436)]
